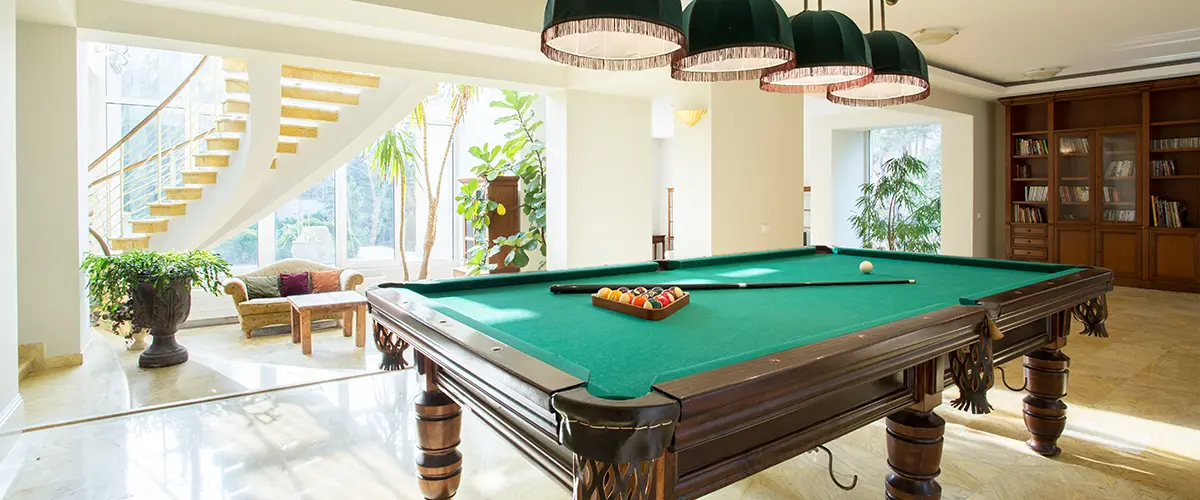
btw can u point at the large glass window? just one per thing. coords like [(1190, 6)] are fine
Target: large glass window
[(242, 249), (305, 228), (921, 141), (372, 212)]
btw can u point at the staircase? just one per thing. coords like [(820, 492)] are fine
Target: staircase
[(232, 162)]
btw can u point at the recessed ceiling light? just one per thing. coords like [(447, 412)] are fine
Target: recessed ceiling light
[(1044, 73), (934, 36)]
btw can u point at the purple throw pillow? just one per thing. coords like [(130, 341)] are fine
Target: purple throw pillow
[(294, 284)]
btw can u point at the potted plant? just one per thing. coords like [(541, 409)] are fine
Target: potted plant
[(152, 290), (894, 213)]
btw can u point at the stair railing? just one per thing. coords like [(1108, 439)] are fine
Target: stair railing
[(152, 156)]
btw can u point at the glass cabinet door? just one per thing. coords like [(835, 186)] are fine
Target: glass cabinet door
[(1118, 177), (1075, 177)]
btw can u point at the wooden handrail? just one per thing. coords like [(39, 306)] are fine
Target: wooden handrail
[(143, 161), (151, 116)]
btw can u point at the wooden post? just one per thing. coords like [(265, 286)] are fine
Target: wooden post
[(439, 426), (670, 219), (914, 436), (1045, 413)]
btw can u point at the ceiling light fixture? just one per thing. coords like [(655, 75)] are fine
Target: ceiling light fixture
[(1045, 73), (831, 54), (618, 35), (901, 73), (734, 40), (934, 36)]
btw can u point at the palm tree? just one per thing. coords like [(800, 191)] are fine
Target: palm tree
[(398, 157)]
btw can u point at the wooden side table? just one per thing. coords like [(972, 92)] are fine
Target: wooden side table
[(348, 303)]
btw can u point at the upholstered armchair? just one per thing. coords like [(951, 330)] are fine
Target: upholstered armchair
[(258, 313)]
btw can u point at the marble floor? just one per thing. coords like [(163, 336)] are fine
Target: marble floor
[(1133, 433), (222, 362)]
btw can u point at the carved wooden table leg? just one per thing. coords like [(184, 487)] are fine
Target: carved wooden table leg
[(439, 425), (914, 442), (1092, 314), (643, 480), (1045, 413)]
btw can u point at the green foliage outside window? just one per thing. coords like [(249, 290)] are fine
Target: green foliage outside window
[(893, 211)]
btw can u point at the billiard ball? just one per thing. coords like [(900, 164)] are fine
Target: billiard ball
[(665, 298), (656, 290), (626, 298), (655, 304), (646, 305), (639, 290), (639, 301), (614, 295), (866, 267), (624, 289), (603, 293), (668, 294), (677, 292)]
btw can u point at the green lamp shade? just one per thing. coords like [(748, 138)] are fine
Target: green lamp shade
[(734, 40), (618, 35), (901, 74), (831, 54)]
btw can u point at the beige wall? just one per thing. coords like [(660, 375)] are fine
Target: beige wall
[(51, 222)]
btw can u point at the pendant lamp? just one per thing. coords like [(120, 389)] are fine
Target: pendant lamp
[(734, 40), (617, 35), (901, 73), (831, 54)]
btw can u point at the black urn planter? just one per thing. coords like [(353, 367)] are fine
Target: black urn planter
[(162, 311)]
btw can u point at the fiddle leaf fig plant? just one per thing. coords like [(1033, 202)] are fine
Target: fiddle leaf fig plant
[(112, 278)]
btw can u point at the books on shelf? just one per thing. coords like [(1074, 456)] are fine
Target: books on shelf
[(1024, 172), (1036, 193), (1175, 143), (1167, 213), (1119, 168), (1113, 195), (1073, 193), (1162, 168), (1028, 215), (1031, 147), (1073, 145), (1124, 215)]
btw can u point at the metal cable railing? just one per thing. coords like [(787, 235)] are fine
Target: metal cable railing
[(154, 153)]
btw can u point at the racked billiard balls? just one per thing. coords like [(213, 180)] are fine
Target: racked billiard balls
[(614, 295), (654, 303), (669, 294), (603, 293), (665, 299)]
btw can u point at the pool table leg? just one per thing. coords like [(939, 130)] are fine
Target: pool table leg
[(439, 426), (1045, 413), (644, 480), (914, 444)]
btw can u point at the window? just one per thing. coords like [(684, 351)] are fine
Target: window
[(921, 141), (242, 249), (305, 228), (372, 212)]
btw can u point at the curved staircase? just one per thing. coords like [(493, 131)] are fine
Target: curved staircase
[(245, 160)]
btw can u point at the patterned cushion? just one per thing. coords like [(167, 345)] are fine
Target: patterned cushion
[(294, 284), (262, 287), (326, 281)]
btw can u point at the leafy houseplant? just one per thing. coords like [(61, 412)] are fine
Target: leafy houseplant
[(521, 155), (894, 213), (152, 290)]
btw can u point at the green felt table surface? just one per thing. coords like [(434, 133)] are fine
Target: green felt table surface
[(621, 356)]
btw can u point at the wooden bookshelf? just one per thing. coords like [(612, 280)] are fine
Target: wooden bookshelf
[(1102, 142)]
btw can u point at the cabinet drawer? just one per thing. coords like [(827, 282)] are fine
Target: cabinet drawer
[(1028, 231), (1029, 242), (1030, 252)]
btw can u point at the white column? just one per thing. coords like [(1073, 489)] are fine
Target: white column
[(848, 159), (11, 413), (599, 179), (51, 211)]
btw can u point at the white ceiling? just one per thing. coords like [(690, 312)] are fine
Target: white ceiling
[(1001, 39)]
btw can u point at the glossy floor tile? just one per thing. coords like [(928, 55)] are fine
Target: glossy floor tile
[(222, 361), (1133, 433)]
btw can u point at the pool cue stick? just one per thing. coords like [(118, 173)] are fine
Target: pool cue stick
[(687, 287)]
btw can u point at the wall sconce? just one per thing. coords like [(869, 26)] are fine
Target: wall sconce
[(690, 116)]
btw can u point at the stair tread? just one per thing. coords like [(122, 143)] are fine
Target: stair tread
[(170, 203), (213, 153), (151, 219)]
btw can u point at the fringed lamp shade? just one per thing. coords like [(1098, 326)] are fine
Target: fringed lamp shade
[(618, 35), (901, 74), (734, 40), (831, 54)]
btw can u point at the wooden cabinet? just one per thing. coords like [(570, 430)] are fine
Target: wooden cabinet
[(1121, 251), (1174, 256), (1074, 245)]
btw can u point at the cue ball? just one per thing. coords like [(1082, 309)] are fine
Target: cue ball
[(866, 267)]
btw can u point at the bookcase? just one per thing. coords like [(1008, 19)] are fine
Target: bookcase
[(1110, 177)]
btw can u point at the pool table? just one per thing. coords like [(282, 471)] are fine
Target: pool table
[(613, 406)]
